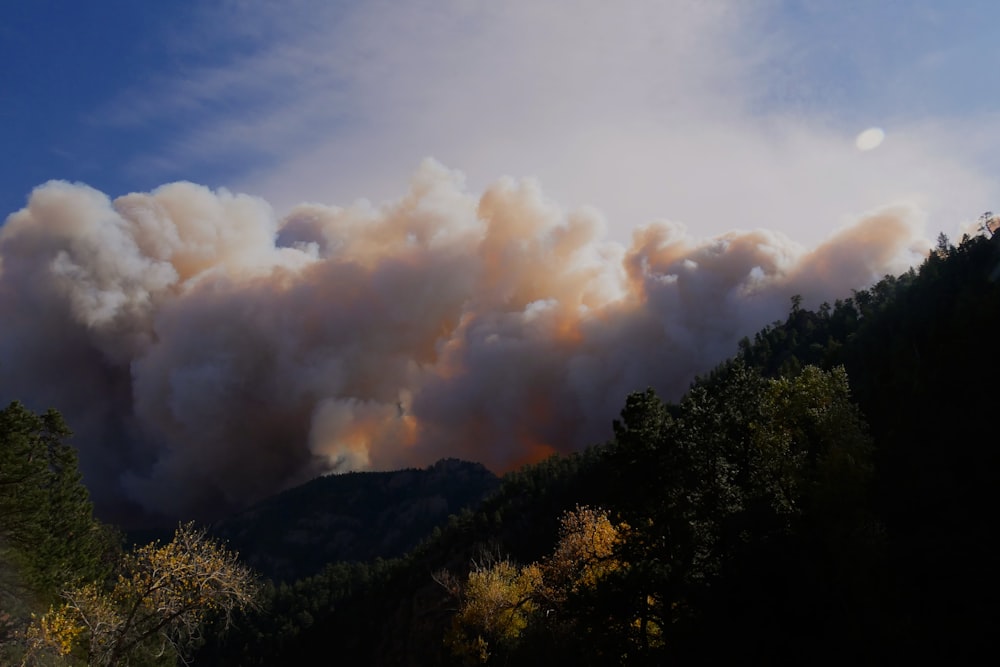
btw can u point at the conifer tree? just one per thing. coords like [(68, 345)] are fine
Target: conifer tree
[(48, 534), (49, 539)]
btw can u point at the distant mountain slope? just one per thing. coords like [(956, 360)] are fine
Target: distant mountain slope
[(352, 517)]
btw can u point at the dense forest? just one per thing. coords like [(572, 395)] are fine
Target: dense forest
[(825, 495)]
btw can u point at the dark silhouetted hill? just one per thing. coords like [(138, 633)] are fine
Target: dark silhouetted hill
[(352, 517)]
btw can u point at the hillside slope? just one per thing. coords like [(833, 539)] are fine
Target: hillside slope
[(352, 517), (879, 555)]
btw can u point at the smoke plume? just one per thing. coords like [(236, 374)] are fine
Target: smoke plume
[(208, 354)]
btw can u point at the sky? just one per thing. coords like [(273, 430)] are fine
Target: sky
[(717, 114), (249, 242)]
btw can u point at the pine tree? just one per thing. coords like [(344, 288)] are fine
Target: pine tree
[(49, 539)]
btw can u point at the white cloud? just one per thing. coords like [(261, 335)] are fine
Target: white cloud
[(721, 114)]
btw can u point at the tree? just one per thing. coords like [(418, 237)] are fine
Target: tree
[(944, 246), (158, 605), (745, 476), (497, 603), (584, 555), (988, 223), (47, 530), (501, 601), (49, 539), (813, 420)]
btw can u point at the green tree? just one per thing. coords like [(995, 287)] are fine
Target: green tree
[(48, 536), (745, 476)]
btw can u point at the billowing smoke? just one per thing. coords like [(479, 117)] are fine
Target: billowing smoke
[(208, 354)]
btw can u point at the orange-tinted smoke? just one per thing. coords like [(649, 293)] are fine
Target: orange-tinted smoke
[(208, 354)]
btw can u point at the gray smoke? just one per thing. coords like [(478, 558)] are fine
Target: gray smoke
[(208, 354)]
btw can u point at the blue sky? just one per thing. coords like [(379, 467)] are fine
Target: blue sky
[(716, 114)]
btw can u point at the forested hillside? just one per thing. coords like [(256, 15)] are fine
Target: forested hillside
[(352, 517), (919, 349), (824, 496)]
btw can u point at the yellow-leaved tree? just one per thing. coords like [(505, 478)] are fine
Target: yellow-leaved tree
[(584, 555), (497, 603), (157, 606), (500, 600)]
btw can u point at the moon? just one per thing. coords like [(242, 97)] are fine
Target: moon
[(870, 139)]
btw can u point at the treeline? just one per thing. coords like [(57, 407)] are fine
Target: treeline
[(825, 496)]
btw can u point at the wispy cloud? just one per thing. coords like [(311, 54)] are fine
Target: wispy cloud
[(646, 109)]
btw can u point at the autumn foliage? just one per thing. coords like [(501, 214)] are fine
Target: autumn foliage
[(501, 601), (157, 606)]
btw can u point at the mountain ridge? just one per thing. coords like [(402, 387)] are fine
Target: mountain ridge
[(352, 517)]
